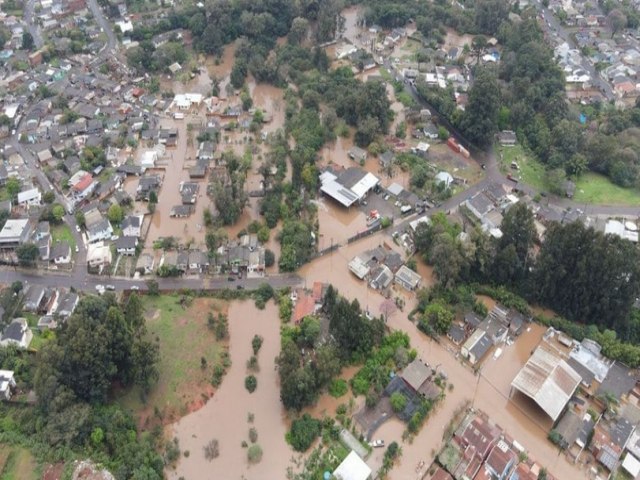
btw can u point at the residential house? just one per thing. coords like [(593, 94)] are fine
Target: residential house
[(43, 230), (81, 185), (30, 198), (500, 461), (15, 232), (304, 305), (16, 333), (189, 192), (99, 231), (477, 438), (380, 277), (145, 264), (126, 245), (7, 384), (574, 429), (198, 261), (407, 278), (98, 255), (67, 305), (47, 322), (132, 226), (386, 159), (34, 298), (476, 346), (61, 253), (146, 185), (358, 154), (507, 138), (456, 333), (44, 248)]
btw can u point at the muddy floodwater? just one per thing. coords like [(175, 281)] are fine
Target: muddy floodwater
[(224, 417), (488, 391)]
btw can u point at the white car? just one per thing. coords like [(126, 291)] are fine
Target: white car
[(78, 228), (111, 287), (135, 288), (77, 249), (376, 443)]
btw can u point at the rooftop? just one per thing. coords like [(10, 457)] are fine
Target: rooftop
[(352, 468), (548, 380)]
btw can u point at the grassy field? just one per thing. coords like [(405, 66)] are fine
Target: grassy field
[(531, 171), (591, 188), (184, 339), (596, 188), (60, 233), (17, 463)]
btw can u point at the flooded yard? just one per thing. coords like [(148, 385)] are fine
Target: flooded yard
[(225, 416)]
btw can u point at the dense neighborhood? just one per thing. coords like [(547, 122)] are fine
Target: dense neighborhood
[(426, 213)]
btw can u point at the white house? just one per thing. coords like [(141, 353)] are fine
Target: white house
[(61, 253), (148, 159), (352, 468), (28, 198), (126, 245), (17, 333), (98, 254), (7, 384), (184, 101), (132, 226)]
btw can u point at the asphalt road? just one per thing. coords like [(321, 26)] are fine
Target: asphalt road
[(84, 282), (105, 25), (493, 175), (552, 25), (32, 26)]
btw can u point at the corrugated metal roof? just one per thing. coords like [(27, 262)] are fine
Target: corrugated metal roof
[(548, 380)]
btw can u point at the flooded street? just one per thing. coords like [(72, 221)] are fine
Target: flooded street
[(224, 417), (488, 392)]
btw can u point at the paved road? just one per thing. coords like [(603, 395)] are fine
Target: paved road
[(32, 26), (494, 175), (552, 25), (105, 25), (85, 282)]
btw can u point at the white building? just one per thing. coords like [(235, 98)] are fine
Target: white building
[(7, 384), (31, 197), (352, 468)]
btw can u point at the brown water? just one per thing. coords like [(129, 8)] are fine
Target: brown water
[(224, 417), (522, 420)]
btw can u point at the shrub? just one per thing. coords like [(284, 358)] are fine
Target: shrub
[(338, 388), (398, 402), (254, 454), (256, 343), (251, 383), (304, 431), (252, 364), (253, 435), (211, 450)]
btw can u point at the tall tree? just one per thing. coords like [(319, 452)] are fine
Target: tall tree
[(480, 119), (616, 21)]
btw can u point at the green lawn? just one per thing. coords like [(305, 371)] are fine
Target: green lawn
[(598, 189), (531, 171), (183, 338), (17, 463), (591, 188), (60, 233)]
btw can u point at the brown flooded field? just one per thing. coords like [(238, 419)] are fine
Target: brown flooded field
[(225, 416)]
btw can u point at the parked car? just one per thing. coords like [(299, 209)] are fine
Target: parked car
[(239, 287), (376, 443), (135, 288), (77, 249), (231, 279), (111, 287)]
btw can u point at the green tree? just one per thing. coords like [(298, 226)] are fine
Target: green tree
[(480, 119), (58, 213), (304, 431), (13, 187), (439, 317), (518, 229), (27, 41), (115, 214), (27, 254), (269, 258), (398, 402), (80, 218), (616, 21), (309, 331), (250, 383), (298, 31)]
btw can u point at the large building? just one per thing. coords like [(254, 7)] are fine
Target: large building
[(348, 186), (548, 380), (15, 233)]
